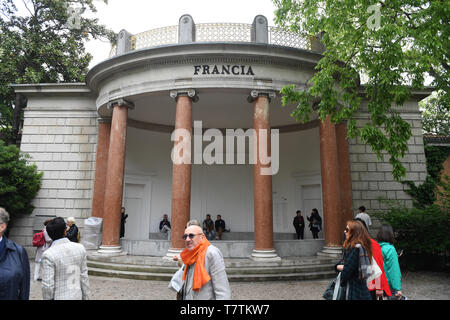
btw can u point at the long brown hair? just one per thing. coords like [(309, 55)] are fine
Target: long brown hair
[(358, 234)]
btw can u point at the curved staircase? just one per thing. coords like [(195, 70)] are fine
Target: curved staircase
[(155, 268)]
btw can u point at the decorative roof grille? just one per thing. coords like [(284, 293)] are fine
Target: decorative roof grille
[(280, 37), (223, 32), (187, 32)]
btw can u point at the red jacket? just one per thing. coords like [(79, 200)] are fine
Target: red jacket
[(381, 282)]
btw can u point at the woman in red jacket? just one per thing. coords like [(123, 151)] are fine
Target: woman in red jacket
[(379, 285)]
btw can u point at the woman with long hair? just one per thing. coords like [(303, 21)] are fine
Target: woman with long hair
[(357, 245), (315, 223), (385, 238)]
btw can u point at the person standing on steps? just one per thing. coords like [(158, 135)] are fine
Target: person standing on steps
[(315, 223), (123, 220), (299, 224), (220, 226)]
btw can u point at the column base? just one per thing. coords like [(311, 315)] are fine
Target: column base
[(265, 255), (171, 253), (111, 251), (330, 252)]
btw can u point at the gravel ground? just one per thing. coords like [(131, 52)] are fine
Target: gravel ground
[(416, 286)]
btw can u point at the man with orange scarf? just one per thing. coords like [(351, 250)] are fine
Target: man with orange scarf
[(204, 276)]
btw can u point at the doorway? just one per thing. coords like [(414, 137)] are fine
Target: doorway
[(136, 200)]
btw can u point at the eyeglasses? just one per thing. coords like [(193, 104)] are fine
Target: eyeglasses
[(190, 235)]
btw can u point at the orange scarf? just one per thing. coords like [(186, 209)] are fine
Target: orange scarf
[(197, 256)]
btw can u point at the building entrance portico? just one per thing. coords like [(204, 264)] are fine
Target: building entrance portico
[(220, 87)]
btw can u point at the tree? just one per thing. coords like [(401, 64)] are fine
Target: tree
[(46, 45), (435, 115), (393, 45), (19, 181)]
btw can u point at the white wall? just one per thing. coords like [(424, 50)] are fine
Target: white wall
[(226, 189)]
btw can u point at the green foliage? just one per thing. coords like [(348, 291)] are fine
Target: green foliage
[(392, 45), (43, 46), (423, 230), (425, 194), (436, 114), (19, 181), (420, 231)]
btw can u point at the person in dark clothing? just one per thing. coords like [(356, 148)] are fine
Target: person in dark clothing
[(220, 226), (357, 242), (14, 266), (72, 230), (315, 223), (164, 226), (208, 227), (123, 218), (299, 225)]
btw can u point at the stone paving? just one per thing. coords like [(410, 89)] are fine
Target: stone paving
[(416, 286)]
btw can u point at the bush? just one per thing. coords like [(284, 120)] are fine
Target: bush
[(19, 180), (422, 233)]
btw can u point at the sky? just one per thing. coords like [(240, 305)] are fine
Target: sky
[(137, 16)]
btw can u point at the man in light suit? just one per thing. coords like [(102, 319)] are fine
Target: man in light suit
[(199, 250), (64, 268)]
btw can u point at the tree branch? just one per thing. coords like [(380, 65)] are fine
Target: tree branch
[(25, 4)]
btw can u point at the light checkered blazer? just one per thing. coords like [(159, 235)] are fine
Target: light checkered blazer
[(64, 272)]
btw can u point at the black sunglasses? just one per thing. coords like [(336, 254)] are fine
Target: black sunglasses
[(190, 235)]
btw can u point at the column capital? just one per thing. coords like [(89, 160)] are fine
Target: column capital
[(191, 93), (120, 102), (256, 93)]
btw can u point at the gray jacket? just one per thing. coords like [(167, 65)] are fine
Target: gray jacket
[(218, 287)]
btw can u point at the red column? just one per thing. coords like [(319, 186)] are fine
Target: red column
[(115, 178), (181, 172), (330, 184), (345, 181), (101, 165), (263, 207)]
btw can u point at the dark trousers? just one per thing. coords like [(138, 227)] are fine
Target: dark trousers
[(315, 233), (300, 232)]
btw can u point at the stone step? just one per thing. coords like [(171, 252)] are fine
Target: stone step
[(131, 267), (231, 277), (129, 274), (229, 262), (302, 268), (156, 268)]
